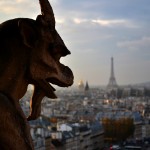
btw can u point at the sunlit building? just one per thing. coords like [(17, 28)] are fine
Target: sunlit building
[(81, 85)]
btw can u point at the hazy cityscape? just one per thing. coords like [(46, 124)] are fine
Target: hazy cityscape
[(85, 117)]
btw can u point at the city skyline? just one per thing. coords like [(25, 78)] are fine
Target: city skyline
[(94, 31)]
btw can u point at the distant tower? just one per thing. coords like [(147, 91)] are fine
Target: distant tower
[(86, 86), (112, 81), (87, 90)]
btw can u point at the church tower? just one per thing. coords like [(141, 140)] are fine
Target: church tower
[(86, 86)]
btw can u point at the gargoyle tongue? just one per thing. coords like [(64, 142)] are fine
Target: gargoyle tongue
[(41, 89), (47, 88)]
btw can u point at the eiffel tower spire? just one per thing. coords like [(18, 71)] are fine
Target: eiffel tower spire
[(112, 81)]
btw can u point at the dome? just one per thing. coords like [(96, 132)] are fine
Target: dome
[(81, 85)]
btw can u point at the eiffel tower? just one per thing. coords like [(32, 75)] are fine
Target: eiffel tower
[(112, 81)]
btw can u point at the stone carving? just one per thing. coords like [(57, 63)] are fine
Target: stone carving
[(30, 51)]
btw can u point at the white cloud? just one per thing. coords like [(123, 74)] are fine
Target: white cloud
[(78, 21), (20, 1), (108, 22), (60, 21), (10, 10), (114, 22), (9, 7), (100, 21), (18, 8)]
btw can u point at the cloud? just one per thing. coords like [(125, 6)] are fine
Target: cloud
[(60, 20), (10, 10), (8, 7), (108, 22), (78, 21), (139, 44), (20, 1), (114, 22), (18, 8)]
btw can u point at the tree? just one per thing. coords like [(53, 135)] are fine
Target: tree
[(118, 129)]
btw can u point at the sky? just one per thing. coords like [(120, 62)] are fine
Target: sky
[(94, 31)]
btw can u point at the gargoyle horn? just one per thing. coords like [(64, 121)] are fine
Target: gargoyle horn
[(47, 13)]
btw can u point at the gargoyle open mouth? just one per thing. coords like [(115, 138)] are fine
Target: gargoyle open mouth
[(43, 88), (64, 79)]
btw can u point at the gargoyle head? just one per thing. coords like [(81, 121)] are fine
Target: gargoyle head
[(30, 52), (47, 49)]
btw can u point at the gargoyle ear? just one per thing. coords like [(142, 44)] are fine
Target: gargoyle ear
[(28, 33)]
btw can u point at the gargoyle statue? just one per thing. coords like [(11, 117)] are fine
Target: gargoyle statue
[(30, 51)]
